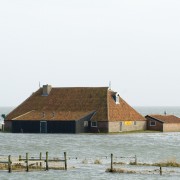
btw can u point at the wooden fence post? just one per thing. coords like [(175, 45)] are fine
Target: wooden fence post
[(20, 158), (111, 163), (47, 168), (65, 161), (160, 170), (9, 164), (40, 157), (135, 160), (27, 162)]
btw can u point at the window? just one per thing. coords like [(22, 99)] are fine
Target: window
[(94, 124), (152, 123), (135, 123), (85, 123)]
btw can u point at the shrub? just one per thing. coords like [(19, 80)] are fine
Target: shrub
[(97, 161)]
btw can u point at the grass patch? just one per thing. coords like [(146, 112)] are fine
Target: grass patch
[(170, 163), (3, 166), (20, 167), (123, 132), (134, 163), (119, 163), (134, 132), (167, 164), (115, 170), (128, 171), (97, 161)]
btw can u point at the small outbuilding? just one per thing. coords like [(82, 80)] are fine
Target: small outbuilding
[(164, 123)]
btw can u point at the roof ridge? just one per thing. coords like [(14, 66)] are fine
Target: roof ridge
[(85, 87)]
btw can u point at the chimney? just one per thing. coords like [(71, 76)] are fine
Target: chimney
[(46, 90)]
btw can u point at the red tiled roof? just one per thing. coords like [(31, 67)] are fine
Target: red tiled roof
[(166, 118), (55, 116), (122, 111), (74, 103), (74, 100)]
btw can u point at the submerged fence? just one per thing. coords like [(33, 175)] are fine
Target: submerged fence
[(135, 167), (113, 164), (34, 163)]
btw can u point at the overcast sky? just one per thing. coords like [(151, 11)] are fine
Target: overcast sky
[(133, 44)]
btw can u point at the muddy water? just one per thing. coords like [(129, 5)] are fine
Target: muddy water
[(84, 149)]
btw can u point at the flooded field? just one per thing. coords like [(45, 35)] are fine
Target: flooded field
[(89, 155)]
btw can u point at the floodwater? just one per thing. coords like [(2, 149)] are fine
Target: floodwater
[(84, 149)]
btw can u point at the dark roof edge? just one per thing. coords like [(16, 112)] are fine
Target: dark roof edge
[(155, 119), (91, 113)]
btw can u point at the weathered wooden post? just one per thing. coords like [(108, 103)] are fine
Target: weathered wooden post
[(40, 157), (111, 170), (20, 158), (27, 162), (135, 160), (47, 168), (65, 161), (2, 127), (160, 170), (9, 164)]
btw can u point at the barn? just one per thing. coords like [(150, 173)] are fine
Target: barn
[(74, 110), (164, 123)]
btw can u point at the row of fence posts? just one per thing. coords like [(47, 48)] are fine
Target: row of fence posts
[(47, 160), (135, 163), (40, 159)]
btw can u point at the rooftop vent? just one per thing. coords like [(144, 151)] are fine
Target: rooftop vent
[(46, 90), (117, 98)]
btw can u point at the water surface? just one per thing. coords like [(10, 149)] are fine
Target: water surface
[(149, 148)]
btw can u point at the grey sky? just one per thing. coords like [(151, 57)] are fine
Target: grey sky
[(135, 44)]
